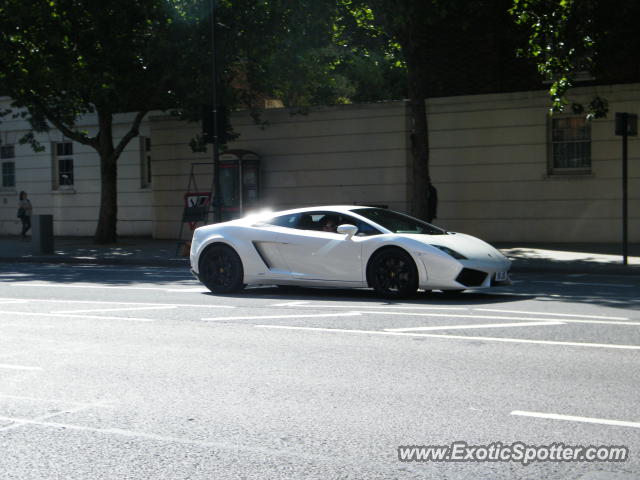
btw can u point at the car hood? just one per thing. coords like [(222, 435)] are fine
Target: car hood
[(471, 247)]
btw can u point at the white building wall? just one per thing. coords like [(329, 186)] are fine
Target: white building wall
[(489, 162), (75, 211)]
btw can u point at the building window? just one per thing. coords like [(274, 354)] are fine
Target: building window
[(63, 166), (145, 162), (7, 155), (570, 149)]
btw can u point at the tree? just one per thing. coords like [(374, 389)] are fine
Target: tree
[(569, 39), (62, 59), (449, 48)]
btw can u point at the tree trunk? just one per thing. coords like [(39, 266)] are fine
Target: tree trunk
[(108, 218), (419, 141)]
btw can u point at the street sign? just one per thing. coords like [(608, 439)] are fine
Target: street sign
[(627, 123)]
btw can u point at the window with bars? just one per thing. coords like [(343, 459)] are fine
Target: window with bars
[(570, 145), (63, 176), (7, 155)]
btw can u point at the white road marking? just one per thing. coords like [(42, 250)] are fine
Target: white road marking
[(97, 302), (288, 304), (621, 285), (109, 287), (121, 309), (68, 315), (466, 327), (267, 317), (493, 317), (165, 439), (548, 313), (50, 400), (359, 307), (19, 423), (18, 367), (9, 301), (455, 337), (573, 418), (186, 290)]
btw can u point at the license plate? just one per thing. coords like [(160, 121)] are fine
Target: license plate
[(502, 276)]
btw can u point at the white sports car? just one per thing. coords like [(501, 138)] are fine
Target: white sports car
[(343, 246)]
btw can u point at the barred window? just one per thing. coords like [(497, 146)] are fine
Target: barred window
[(570, 150), (7, 154), (8, 174), (63, 177)]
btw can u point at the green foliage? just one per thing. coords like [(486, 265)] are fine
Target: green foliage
[(61, 59), (565, 39)]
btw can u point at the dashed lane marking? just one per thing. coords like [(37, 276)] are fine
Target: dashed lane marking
[(494, 317), (454, 337), (555, 314), (269, 317), (225, 446), (69, 315), (573, 418), (97, 302), (7, 366), (466, 327), (121, 309), (109, 287)]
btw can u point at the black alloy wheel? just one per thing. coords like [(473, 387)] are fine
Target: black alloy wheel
[(221, 269), (393, 273)]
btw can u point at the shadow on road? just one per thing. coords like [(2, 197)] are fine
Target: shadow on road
[(362, 295), (607, 291)]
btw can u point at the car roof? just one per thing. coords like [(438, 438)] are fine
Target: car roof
[(330, 208)]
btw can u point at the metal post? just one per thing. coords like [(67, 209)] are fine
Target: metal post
[(217, 207), (626, 126), (625, 181)]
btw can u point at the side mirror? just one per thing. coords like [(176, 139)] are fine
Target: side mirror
[(348, 230)]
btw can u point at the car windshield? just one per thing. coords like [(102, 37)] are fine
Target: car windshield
[(397, 222)]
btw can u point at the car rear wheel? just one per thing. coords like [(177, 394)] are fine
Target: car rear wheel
[(393, 273), (221, 269)]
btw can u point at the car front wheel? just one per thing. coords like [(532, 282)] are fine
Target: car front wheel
[(221, 269), (393, 273)]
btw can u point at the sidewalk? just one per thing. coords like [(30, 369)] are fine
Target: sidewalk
[(569, 258), (81, 250)]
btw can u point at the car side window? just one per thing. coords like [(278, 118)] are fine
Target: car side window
[(364, 229), (330, 221), (317, 221), (289, 221)]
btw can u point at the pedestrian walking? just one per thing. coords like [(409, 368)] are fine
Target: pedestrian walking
[(432, 203), (24, 213)]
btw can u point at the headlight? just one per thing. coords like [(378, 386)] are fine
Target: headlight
[(449, 251)]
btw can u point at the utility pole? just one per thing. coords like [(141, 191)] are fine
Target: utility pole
[(626, 125), (217, 200)]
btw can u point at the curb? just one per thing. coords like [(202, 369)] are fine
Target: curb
[(574, 267)]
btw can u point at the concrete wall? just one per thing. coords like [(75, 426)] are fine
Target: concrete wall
[(334, 155), (489, 162), (75, 211)]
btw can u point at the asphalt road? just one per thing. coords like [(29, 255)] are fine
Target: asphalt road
[(139, 373)]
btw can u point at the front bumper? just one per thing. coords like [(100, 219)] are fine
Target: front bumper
[(472, 278)]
